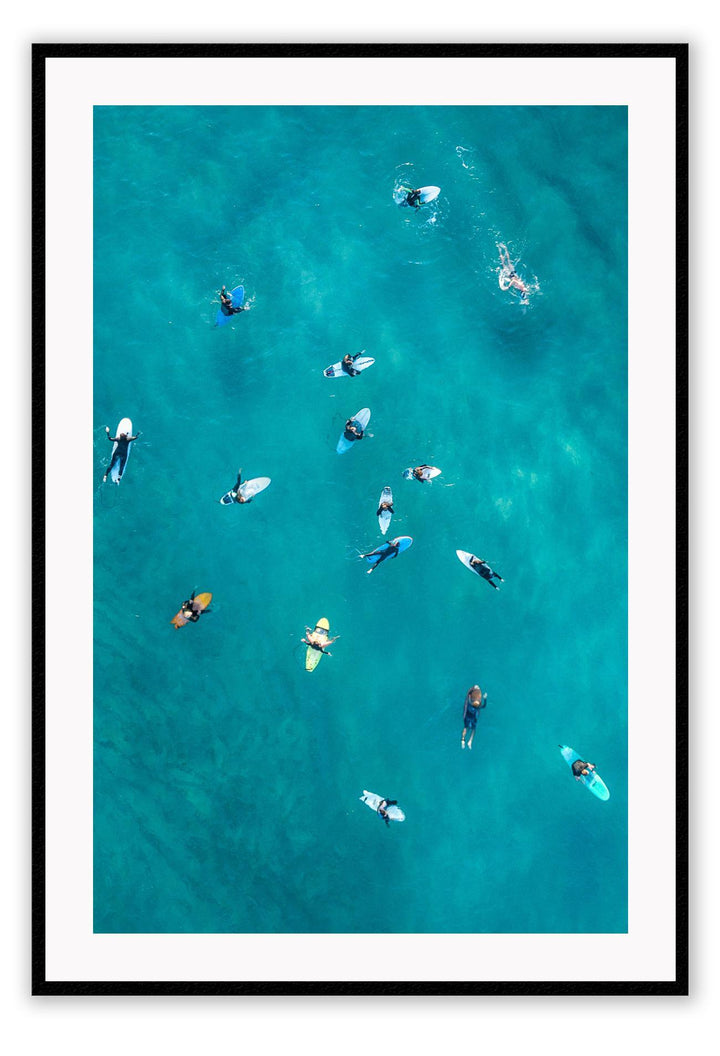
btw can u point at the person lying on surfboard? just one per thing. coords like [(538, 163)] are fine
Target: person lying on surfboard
[(386, 550), (123, 442), (226, 304), (474, 700), (383, 812), (483, 569), (190, 610), (508, 277), (318, 641)]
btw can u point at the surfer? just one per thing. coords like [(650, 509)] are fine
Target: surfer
[(235, 492), (418, 473), (581, 769), (353, 431), (385, 505), (474, 700), (483, 569), (508, 277), (120, 453), (347, 364), (226, 304), (386, 550), (413, 198), (191, 610), (318, 641), (383, 812)]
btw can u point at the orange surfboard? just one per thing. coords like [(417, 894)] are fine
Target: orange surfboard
[(202, 601)]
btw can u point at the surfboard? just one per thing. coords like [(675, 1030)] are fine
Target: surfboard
[(466, 557), (248, 489), (203, 600), (428, 194), (336, 371), (427, 474), (384, 517), (116, 473), (238, 296), (593, 781), (404, 542), (313, 656), (373, 801), (361, 418)]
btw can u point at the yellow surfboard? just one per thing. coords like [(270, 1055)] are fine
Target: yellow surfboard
[(321, 634), (202, 601)]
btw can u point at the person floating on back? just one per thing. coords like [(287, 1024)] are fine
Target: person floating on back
[(474, 700), (483, 569)]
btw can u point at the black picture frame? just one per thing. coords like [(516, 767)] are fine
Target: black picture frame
[(41, 53)]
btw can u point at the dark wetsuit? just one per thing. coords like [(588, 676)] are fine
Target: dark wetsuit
[(386, 552), (483, 569), (352, 436), (227, 307), (578, 766), (386, 509), (382, 809), (120, 453), (413, 198), (348, 368)]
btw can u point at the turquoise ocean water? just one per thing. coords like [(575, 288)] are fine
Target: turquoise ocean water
[(226, 777)]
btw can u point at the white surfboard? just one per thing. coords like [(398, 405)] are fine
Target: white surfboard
[(385, 516), (336, 370), (116, 473), (374, 801), (361, 418), (248, 489), (428, 194)]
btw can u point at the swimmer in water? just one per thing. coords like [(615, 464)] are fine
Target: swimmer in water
[(508, 277)]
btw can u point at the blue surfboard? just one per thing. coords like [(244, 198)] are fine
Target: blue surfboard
[(238, 296), (403, 542)]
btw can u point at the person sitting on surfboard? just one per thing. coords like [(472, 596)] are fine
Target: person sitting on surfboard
[(123, 442), (383, 812), (226, 304), (413, 198), (385, 505), (347, 364), (352, 430), (386, 550), (419, 473), (483, 569), (474, 700), (508, 277), (581, 769), (235, 490), (190, 610), (317, 641)]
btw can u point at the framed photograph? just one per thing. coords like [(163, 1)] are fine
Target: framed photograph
[(360, 606)]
